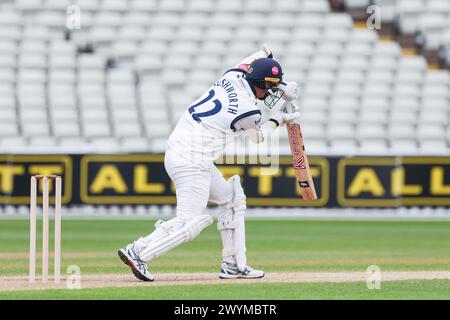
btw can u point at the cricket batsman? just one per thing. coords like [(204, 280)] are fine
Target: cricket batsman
[(228, 108)]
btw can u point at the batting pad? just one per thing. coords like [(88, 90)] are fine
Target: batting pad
[(231, 225), (176, 237)]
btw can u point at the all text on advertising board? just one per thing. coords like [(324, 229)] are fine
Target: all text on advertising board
[(141, 179)]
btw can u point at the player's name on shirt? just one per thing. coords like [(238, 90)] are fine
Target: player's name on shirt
[(233, 101)]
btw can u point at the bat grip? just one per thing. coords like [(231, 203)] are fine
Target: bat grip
[(294, 106)]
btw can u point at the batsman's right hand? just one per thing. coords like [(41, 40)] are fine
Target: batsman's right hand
[(286, 114)]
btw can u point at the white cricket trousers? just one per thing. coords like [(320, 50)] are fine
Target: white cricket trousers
[(195, 184)]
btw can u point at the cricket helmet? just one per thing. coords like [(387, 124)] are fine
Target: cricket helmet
[(266, 73)]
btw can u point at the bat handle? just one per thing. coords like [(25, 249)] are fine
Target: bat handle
[(294, 106)]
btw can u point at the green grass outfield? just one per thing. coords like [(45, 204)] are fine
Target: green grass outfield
[(274, 246), (416, 289)]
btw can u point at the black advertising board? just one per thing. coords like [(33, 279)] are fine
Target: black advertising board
[(141, 179)]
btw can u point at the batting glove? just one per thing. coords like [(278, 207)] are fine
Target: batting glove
[(290, 90), (286, 114)]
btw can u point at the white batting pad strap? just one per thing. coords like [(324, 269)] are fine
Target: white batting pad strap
[(162, 229), (175, 237), (224, 225)]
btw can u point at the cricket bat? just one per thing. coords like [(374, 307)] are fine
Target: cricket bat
[(300, 162)]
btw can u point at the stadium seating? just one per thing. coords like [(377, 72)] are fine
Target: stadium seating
[(151, 58), (431, 17)]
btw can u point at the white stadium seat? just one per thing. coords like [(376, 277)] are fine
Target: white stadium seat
[(373, 147), (158, 144), (10, 33), (340, 36), (438, 118), (37, 32), (43, 142), (151, 59), (65, 61), (340, 131), (135, 144), (8, 129), (409, 10), (96, 129), (8, 47), (317, 146), (376, 116), (430, 131), (10, 17), (387, 49), (35, 128), (403, 117), (347, 89), (12, 141), (52, 19), (7, 115), (127, 129), (435, 91), (145, 62), (405, 103), (342, 116), (401, 131), (437, 6), (34, 61), (124, 50), (320, 6), (409, 77), (74, 144), (94, 115), (389, 12), (438, 77), (432, 104), (370, 131), (338, 21), (434, 147), (161, 33), (383, 63), (344, 147), (66, 129), (124, 114), (413, 63), (7, 75), (104, 144), (406, 146), (366, 36), (157, 129), (311, 130), (142, 5), (356, 4)]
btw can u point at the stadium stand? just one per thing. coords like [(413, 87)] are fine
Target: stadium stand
[(120, 83), (426, 22)]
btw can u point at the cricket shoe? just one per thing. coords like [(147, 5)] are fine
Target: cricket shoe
[(231, 271), (129, 256)]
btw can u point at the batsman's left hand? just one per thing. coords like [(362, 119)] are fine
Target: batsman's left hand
[(286, 114), (290, 90)]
